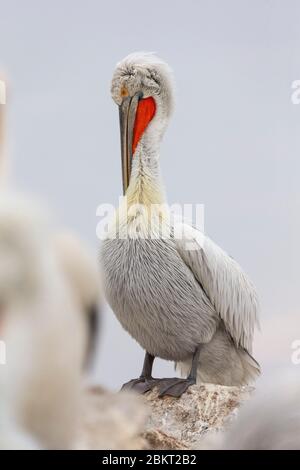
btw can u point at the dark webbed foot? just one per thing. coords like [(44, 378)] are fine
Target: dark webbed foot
[(140, 385), (145, 382), (174, 387)]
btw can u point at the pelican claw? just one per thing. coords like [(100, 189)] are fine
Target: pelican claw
[(174, 387), (140, 385)]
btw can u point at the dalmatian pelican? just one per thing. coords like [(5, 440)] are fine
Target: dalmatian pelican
[(189, 304), (49, 297)]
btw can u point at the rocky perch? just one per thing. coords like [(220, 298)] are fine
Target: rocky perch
[(182, 423), (126, 421)]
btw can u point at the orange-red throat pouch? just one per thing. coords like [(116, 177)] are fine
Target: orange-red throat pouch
[(144, 114)]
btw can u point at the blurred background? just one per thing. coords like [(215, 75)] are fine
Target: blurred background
[(233, 144)]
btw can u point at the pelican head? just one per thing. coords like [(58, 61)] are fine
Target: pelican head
[(142, 87)]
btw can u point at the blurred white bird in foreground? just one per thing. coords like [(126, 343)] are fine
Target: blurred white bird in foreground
[(83, 277), (46, 317), (49, 293)]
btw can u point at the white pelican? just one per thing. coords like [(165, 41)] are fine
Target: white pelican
[(48, 297), (43, 369), (192, 306), (76, 263), (83, 277)]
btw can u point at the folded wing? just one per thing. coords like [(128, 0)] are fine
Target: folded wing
[(227, 286)]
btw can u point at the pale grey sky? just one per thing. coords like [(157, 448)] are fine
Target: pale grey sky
[(233, 144)]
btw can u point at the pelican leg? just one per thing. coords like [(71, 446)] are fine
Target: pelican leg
[(175, 386), (145, 382)]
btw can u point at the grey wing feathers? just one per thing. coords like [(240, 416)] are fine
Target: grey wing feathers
[(227, 286)]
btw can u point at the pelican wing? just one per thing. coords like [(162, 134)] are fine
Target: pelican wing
[(227, 286)]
